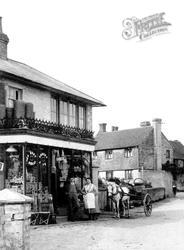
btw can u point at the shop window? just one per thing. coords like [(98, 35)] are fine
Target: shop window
[(168, 154), (128, 152), (108, 154), (13, 95), (14, 169), (31, 171)]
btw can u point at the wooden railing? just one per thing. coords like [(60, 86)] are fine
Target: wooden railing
[(46, 127)]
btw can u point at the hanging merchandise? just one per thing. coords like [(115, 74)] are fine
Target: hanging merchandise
[(43, 159), (64, 171), (31, 158), (62, 158)]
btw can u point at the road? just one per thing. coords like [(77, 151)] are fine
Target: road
[(164, 230)]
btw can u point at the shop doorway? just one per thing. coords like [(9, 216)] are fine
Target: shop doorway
[(67, 163)]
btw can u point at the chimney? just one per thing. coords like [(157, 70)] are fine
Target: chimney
[(102, 127), (3, 42), (114, 128), (157, 143), (145, 124)]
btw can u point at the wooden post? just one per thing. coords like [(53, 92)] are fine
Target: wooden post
[(38, 172), (24, 167), (82, 176), (90, 164), (49, 169)]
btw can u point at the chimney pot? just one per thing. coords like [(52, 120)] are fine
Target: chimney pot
[(114, 128), (102, 127), (157, 120), (145, 124)]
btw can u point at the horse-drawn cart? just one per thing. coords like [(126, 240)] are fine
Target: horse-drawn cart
[(139, 196), (126, 195)]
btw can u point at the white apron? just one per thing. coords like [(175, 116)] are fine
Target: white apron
[(89, 197)]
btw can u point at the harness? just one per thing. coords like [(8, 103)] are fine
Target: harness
[(117, 189)]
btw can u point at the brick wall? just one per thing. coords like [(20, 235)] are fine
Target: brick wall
[(118, 162), (15, 226), (146, 152), (159, 178)]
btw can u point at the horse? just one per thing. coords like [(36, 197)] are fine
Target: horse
[(119, 196)]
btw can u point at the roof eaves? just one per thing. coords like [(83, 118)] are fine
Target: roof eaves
[(94, 103)]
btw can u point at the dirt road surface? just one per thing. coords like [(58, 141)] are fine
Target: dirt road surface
[(164, 230)]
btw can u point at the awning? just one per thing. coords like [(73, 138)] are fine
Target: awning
[(45, 141)]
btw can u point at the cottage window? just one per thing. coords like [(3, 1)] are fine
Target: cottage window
[(168, 154), (128, 152), (102, 175), (13, 95), (120, 174), (94, 155), (108, 154), (128, 174)]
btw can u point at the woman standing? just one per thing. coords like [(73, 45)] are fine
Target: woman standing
[(89, 192)]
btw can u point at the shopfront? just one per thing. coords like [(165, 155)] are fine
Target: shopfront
[(43, 171)]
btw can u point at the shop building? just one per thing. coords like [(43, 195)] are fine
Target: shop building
[(45, 132)]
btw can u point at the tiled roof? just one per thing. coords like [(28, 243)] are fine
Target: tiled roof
[(24, 71), (178, 149), (122, 138)]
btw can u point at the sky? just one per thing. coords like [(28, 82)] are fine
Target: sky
[(80, 43)]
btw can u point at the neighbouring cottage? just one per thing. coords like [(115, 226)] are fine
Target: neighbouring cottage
[(134, 153), (177, 168), (45, 132)]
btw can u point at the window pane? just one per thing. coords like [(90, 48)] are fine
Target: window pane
[(63, 112), (102, 175), (119, 174), (53, 110), (81, 117), (72, 114), (10, 103), (13, 95), (108, 154)]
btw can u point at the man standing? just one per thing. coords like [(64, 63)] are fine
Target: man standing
[(73, 202)]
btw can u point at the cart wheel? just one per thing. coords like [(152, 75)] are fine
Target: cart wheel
[(147, 203)]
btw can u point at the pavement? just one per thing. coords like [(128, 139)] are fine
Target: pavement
[(163, 230)]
